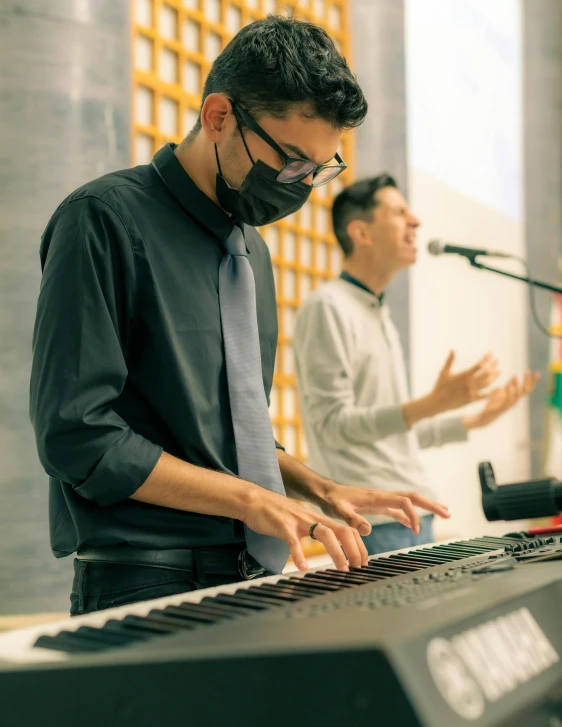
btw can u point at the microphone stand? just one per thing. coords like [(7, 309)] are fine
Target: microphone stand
[(530, 281)]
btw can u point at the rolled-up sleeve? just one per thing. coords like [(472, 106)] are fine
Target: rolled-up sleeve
[(440, 431), (323, 351), (85, 318)]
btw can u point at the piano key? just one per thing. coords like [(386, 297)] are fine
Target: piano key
[(209, 604), (198, 615), (310, 587), (283, 597), (354, 576), (372, 577), (446, 557), (388, 567), (246, 595), (405, 566), (318, 585), (291, 591), (490, 542), (407, 559), (385, 559), (64, 641), (79, 640), (329, 578), (483, 545), (238, 600), (168, 619), (140, 622), (105, 637), (457, 553), (449, 554), (429, 558), (465, 550), (119, 627)]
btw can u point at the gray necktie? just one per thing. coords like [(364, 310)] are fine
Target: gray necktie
[(253, 434)]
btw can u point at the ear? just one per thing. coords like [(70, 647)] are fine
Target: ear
[(217, 119), (357, 231)]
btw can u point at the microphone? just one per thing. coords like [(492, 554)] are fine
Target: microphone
[(439, 247)]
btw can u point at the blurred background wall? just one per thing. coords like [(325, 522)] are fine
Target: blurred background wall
[(65, 80), (465, 111), (465, 145)]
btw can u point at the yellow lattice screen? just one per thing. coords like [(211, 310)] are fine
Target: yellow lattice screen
[(174, 44)]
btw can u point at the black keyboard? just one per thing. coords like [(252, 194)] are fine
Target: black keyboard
[(314, 592), (466, 632)]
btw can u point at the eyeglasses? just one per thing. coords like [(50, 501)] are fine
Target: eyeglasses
[(294, 169)]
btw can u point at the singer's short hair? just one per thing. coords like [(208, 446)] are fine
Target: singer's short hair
[(357, 202)]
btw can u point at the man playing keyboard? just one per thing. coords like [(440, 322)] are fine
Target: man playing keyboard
[(155, 341)]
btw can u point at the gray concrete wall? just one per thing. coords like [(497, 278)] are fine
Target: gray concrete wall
[(379, 61), (64, 94), (542, 110)]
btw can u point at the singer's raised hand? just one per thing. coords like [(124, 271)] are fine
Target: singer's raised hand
[(502, 399), (453, 390)]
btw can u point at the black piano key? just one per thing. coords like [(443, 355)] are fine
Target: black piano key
[(372, 577), (328, 578), (452, 556), (311, 588), (406, 567), (353, 576), (419, 563), (385, 572), (448, 553), (429, 558), (105, 637), (394, 569), (66, 641), (243, 592), (465, 551), (289, 591), (445, 557), (167, 619), (198, 615), (319, 585), (82, 637), (237, 600), (283, 596), (140, 622), (432, 560), (483, 547), (375, 562), (209, 604), (119, 627)]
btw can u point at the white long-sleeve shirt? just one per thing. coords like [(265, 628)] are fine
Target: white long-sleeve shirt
[(352, 384)]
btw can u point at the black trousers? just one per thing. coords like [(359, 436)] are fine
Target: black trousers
[(106, 585)]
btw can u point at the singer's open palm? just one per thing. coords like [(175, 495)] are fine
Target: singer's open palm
[(503, 398), (455, 390)]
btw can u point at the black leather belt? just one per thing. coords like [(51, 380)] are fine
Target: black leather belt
[(219, 561)]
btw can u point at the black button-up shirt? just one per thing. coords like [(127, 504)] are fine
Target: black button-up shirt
[(128, 356)]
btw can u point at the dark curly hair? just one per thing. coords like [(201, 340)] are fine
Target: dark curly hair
[(278, 62)]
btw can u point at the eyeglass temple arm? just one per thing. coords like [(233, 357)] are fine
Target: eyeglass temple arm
[(250, 123)]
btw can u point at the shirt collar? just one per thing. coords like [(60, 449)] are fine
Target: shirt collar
[(188, 193), (350, 279)]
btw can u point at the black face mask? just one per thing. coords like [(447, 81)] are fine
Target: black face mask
[(261, 199)]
